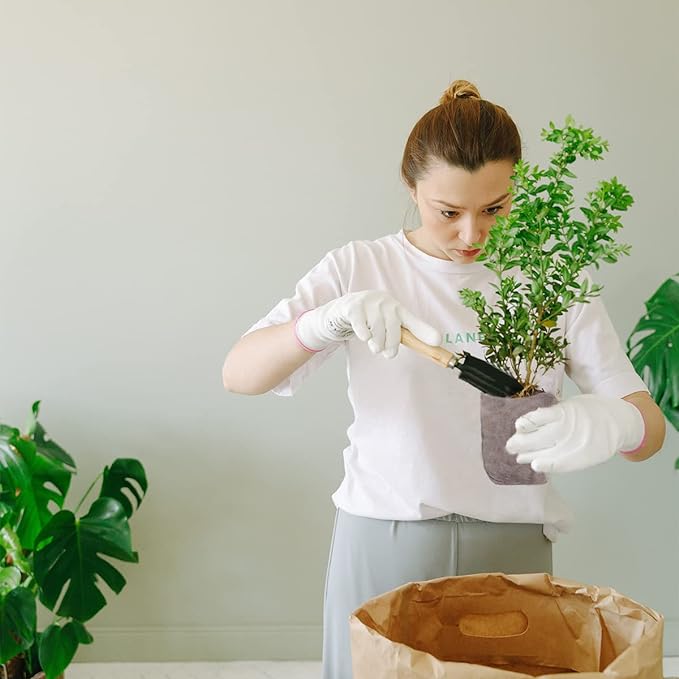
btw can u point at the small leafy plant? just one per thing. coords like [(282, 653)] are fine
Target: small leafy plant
[(551, 248), (55, 555)]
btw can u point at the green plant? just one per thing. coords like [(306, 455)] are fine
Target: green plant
[(551, 249), (653, 349), (55, 555)]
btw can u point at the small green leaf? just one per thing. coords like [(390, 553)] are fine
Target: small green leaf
[(10, 578), (12, 547), (17, 622), (81, 634), (56, 649), (33, 419)]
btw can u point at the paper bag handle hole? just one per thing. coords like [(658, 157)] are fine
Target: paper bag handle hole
[(509, 624)]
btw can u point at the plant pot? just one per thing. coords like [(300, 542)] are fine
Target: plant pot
[(13, 669), (498, 417), (16, 669)]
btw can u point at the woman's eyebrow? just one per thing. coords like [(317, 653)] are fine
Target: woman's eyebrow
[(443, 202)]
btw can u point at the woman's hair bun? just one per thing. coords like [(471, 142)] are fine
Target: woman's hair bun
[(459, 89)]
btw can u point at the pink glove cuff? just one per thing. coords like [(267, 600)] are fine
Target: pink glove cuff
[(643, 439), (298, 340)]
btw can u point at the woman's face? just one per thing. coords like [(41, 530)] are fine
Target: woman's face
[(458, 208)]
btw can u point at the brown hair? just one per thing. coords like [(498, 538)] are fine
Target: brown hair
[(463, 130)]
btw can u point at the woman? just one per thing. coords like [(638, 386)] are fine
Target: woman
[(415, 502)]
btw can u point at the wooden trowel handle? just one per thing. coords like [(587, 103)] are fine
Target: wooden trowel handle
[(437, 354)]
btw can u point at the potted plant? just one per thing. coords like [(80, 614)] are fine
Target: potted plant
[(653, 349), (551, 249), (55, 554)]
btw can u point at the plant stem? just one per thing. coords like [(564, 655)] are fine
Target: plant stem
[(57, 618), (541, 308), (87, 493), (516, 368), (531, 351)]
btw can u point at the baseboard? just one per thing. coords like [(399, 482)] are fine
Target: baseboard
[(671, 640), (214, 644), (186, 644)]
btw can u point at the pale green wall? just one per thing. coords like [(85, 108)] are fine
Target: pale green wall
[(168, 170)]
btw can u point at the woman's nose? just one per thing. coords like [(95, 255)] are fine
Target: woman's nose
[(470, 232)]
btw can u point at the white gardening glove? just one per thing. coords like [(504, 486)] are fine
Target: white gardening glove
[(374, 316), (580, 432)]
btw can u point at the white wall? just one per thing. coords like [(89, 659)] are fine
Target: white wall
[(168, 170)]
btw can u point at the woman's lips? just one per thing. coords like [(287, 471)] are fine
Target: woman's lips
[(468, 253)]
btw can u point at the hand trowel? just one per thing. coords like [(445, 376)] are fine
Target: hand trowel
[(475, 371)]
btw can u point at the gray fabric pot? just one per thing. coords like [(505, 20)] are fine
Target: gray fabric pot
[(498, 415)]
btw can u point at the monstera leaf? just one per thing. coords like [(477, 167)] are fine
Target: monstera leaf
[(68, 556), (117, 477), (653, 348), (30, 479)]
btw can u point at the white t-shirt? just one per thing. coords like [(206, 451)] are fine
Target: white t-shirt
[(415, 443)]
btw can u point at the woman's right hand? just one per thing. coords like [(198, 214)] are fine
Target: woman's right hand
[(373, 316)]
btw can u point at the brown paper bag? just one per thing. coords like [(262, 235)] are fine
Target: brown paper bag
[(493, 625)]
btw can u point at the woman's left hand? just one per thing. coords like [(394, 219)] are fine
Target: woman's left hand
[(577, 433)]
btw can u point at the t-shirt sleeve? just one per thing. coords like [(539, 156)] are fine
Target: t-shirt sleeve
[(595, 358), (319, 285)]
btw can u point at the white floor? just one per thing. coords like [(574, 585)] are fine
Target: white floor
[(228, 670)]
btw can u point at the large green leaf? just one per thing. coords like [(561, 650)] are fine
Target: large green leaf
[(653, 348), (17, 622), (118, 477), (67, 556), (29, 481), (58, 645)]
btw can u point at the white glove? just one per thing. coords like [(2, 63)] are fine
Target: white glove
[(373, 316), (580, 432)]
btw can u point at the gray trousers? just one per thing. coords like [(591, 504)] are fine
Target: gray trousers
[(371, 556)]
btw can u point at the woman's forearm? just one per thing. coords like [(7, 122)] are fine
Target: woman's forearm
[(262, 359), (654, 421)]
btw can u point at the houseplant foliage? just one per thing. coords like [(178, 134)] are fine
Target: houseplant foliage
[(55, 554), (551, 247), (653, 349)]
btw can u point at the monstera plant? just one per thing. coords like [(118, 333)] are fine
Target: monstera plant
[(653, 349), (52, 554)]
